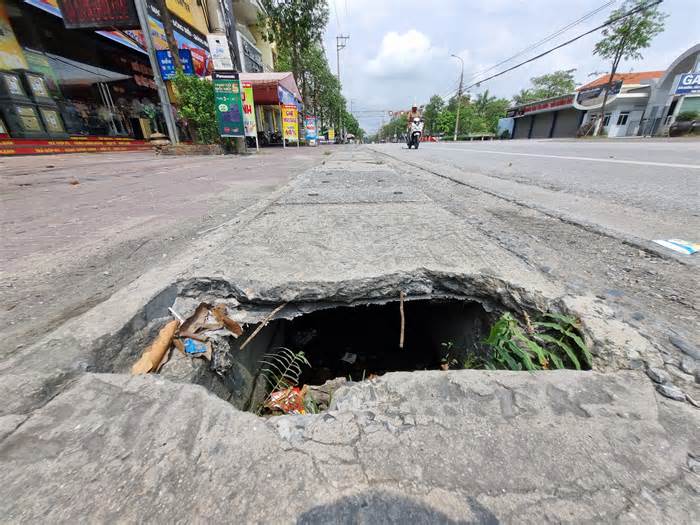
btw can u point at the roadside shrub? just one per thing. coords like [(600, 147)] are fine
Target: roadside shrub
[(196, 97), (553, 342)]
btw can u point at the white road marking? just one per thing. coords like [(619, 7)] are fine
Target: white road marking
[(566, 157)]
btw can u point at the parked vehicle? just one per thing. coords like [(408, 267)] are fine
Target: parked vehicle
[(687, 122)]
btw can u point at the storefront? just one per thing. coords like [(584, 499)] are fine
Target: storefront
[(676, 92), (554, 117), (271, 91), (100, 82)]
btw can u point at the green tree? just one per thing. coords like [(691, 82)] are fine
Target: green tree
[(626, 36), (431, 112), (197, 105), (554, 84), (446, 122), (294, 25)]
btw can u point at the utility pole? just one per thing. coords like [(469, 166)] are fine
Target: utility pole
[(340, 42), (459, 95), (142, 11)]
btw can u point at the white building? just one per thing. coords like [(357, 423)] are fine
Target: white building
[(626, 105), (642, 103)]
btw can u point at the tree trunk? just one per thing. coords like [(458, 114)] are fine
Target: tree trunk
[(616, 62), (169, 32)]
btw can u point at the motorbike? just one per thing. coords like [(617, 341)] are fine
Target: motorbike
[(415, 133)]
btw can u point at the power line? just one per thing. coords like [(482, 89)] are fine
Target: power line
[(546, 39), (609, 22), (537, 44)]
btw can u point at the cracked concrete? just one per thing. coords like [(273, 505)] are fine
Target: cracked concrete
[(422, 444), (459, 446)]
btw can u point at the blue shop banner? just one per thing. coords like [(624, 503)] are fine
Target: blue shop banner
[(167, 65), (688, 84)]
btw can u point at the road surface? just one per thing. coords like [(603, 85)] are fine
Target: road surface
[(644, 190), (76, 228), (80, 437)]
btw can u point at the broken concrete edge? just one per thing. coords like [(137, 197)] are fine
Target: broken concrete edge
[(80, 344), (645, 245), (570, 443)]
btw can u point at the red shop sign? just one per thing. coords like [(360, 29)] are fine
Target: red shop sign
[(99, 14)]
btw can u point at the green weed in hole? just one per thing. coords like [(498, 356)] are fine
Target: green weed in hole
[(281, 370), (551, 343)]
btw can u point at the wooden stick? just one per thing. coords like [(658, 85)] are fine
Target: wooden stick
[(262, 325), (403, 319), (153, 355)]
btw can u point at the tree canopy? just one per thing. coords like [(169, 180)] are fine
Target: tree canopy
[(550, 85), (296, 27), (626, 36)]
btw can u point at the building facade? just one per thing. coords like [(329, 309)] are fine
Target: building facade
[(63, 84), (641, 103)]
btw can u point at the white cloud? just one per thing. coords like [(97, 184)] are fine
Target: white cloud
[(402, 54), (399, 49)]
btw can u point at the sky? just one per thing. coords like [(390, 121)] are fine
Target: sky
[(399, 50)]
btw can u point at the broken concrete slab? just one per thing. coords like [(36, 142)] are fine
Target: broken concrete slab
[(462, 446)]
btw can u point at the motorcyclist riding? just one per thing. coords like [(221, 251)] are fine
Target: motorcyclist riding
[(414, 113)]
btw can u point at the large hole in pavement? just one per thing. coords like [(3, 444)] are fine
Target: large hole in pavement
[(340, 344)]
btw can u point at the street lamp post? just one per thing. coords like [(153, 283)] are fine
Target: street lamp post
[(459, 94)]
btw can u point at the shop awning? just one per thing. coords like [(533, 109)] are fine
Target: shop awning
[(273, 88), (72, 72)]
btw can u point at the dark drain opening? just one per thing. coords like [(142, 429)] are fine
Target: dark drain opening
[(355, 343), (363, 341)]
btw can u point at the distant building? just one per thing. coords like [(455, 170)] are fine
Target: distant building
[(626, 104), (639, 103)]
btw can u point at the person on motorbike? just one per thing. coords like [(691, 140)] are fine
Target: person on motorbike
[(414, 113)]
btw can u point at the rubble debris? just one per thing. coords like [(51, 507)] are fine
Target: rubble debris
[(263, 324), (671, 392), (322, 395), (176, 315), (403, 319), (201, 335), (349, 358), (193, 346), (679, 245), (155, 353), (221, 315), (289, 400), (658, 375)]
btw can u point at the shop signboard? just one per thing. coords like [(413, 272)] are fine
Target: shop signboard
[(290, 122), (98, 14), (688, 84), (593, 97), (331, 134), (310, 131), (286, 97), (190, 12), (251, 128), (220, 52), (229, 106), (167, 65), (11, 56)]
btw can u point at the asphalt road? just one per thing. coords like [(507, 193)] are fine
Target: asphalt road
[(641, 189)]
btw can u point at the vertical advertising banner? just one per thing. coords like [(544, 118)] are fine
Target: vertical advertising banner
[(310, 131), (251, 128), (290, 123), (331, 134), (229, 105)]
